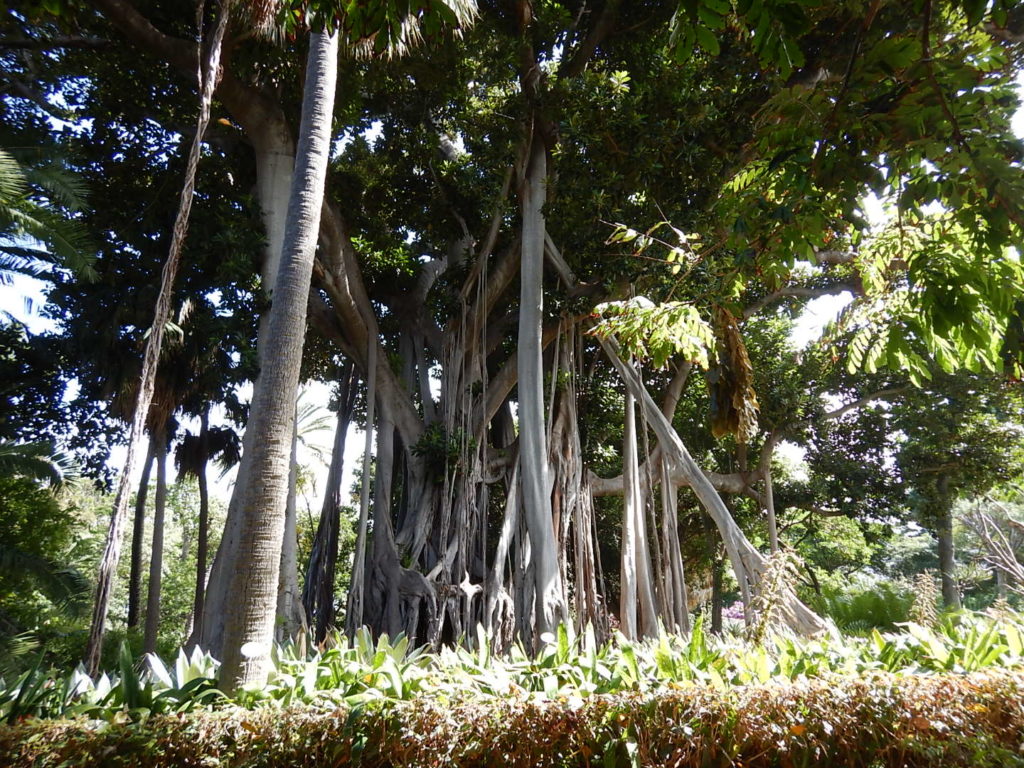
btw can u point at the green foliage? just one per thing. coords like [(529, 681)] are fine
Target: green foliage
[(157, 689), (565, 668), (442, 452), (38, 198), (36, 461), (36, 578), (656, 333), (880, 606)]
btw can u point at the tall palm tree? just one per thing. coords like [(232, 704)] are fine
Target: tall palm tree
[(248, 629)]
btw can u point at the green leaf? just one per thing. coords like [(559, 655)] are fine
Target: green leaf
[(707, 40)]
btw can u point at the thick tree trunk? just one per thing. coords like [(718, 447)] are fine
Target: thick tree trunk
[(138, 536), (549, 608), (156, 557), (248, 630), (207, 76)]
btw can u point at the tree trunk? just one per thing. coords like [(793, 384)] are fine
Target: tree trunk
[(207, 76), (747, 562), (289, 607), (156, 557), (631, 500), (249, 626), (549, 608), (203, 545), (357, 586), (318, 590), (717, 598), (138, 536), (947, 554)]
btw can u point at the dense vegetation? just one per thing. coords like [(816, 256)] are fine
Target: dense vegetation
[(554, 260)]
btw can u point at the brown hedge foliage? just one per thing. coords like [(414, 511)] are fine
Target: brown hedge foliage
[(885, 720)]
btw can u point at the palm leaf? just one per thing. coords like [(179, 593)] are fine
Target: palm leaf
[(12, 178), (63, 586), (38, 461)]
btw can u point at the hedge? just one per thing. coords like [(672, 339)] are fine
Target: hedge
[(901, 721)]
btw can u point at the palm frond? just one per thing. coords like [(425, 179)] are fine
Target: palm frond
[(12, 178), (58, 183), (37, 461), (65, 587)]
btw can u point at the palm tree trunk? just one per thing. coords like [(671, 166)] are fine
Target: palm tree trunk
[(208, 76), (138, 534), (156, 557), (249, 626)]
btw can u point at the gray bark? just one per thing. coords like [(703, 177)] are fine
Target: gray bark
[(747, 562), (631, 500), (248, 630), (549, 607)]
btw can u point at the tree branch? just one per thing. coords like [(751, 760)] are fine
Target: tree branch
[(52, 43), (882, 394), (798, 291), (577, 62)]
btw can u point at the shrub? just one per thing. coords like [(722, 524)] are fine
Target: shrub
[(880, 720)]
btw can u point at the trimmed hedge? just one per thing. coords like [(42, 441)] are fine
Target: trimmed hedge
[(972, 720)]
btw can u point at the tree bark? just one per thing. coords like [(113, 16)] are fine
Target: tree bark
[(631, 500), (947, 554), (357, 587), (138, 536), (248, 630), (289, 607), (156, 557), (549, 608)]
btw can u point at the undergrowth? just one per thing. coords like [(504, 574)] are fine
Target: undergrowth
[(353, 674)]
